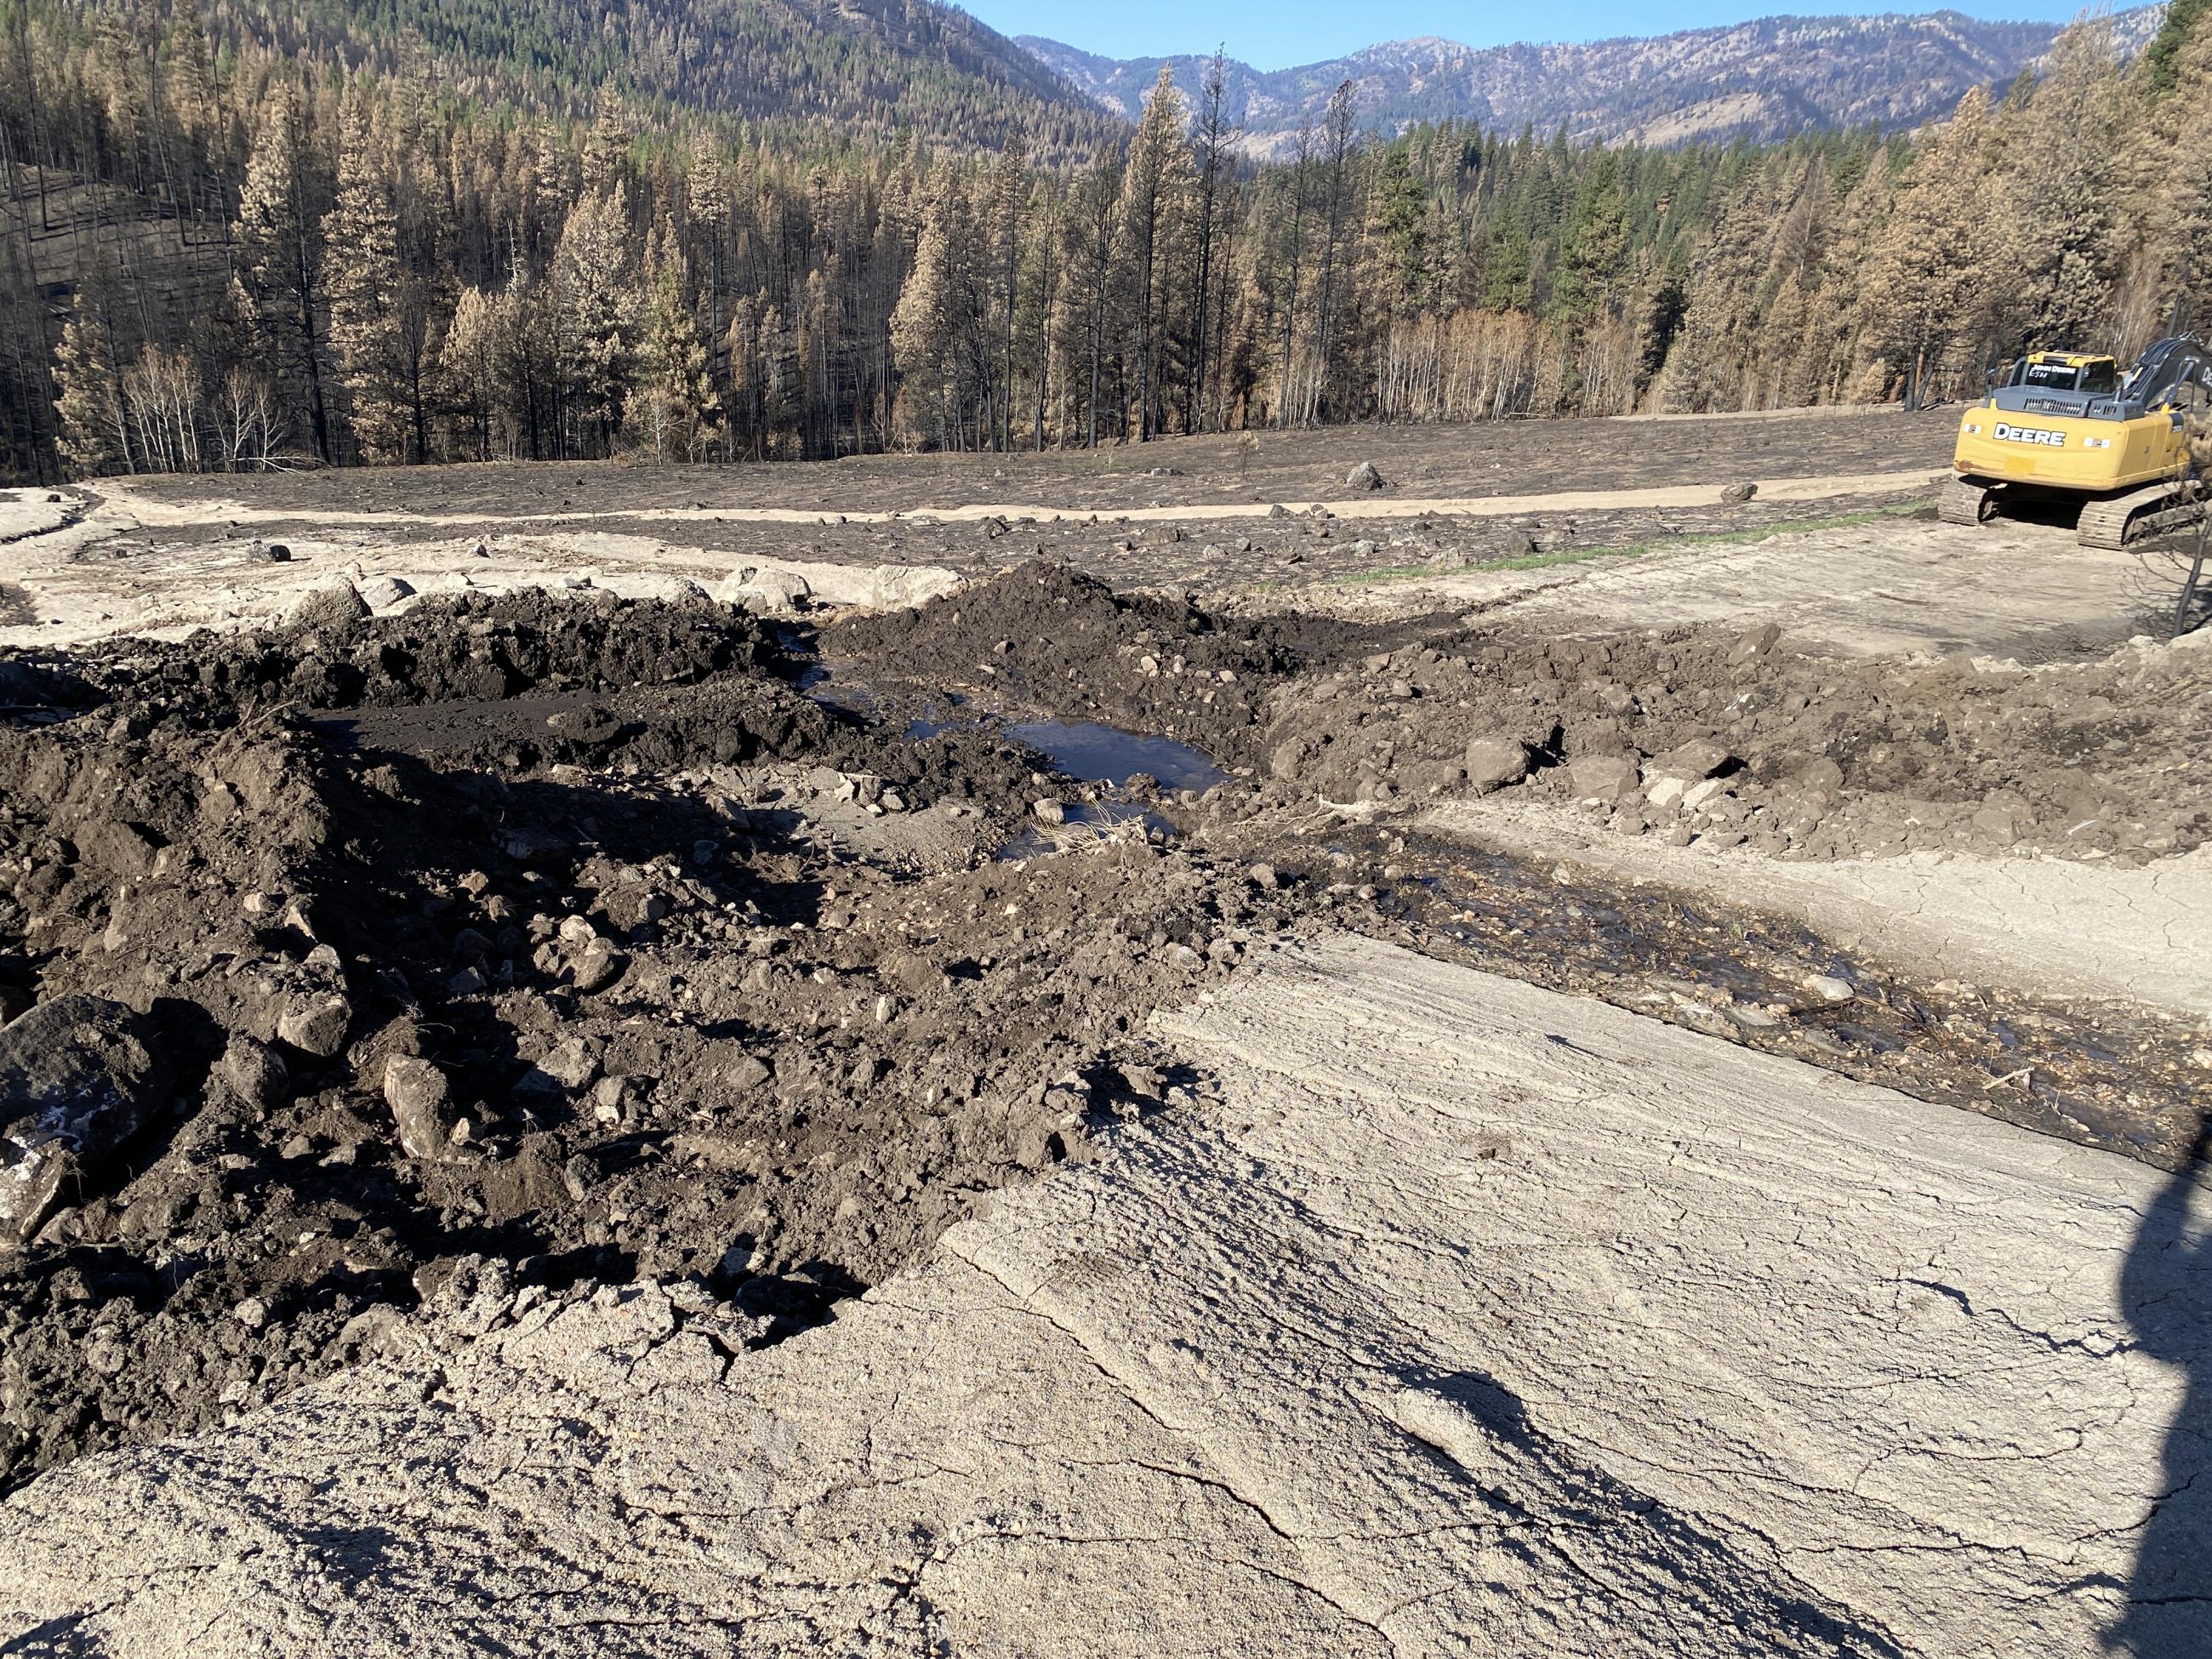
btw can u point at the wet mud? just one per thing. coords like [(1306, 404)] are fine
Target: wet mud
[(605, 939)]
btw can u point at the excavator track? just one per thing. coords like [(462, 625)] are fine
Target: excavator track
[(2119, 521), (1960, 501)]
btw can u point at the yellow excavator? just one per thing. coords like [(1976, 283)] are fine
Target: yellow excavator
[(2063, 425)]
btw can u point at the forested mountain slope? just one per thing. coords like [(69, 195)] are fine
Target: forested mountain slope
[(227, 243), (862, 68), (1762, 80)]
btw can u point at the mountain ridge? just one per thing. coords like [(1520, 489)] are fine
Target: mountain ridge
[(1764, 79)]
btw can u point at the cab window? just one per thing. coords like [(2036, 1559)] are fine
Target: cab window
[(2052, 377)]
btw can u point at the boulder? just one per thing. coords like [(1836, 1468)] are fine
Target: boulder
[(316, 1024), (382, 593), (338, 606), (1610, 778), (1365, 476), (766, 592), (256, 1073), (1493, 762), (78, 1079), (1753, 643), (1737, 494), (1692, 761), (419, 1096)]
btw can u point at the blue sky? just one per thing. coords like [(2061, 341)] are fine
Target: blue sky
[(1278, 34)]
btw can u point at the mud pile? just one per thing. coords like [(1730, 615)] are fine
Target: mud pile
[(693, 980), (332, 653), (1709, 736), (1044, 636)]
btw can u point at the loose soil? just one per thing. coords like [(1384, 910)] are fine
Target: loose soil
[(608, 938)]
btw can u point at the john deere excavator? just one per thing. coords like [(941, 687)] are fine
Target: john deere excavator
[(2065, 424)]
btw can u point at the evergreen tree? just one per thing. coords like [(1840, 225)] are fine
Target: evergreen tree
[(1155, 190), (276, 244), (674, 413), (2061, 153), (1933, 276), (93, 436), (361, 233), (594, 275)]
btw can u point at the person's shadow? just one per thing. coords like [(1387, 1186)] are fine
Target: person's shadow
[(2165, 1286)]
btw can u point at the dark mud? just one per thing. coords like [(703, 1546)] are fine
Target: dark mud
[(605, 977), (590, 938)]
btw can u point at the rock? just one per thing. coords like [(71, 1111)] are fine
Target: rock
[(382, 593), (766, 592), (2002, 819), (1289, 759), (1692, 761), (570, 1066), (598, 966), (256, 1073), (1050, 811), (1493, 762), (1608, 778), (1263, 877), (418, 1094), (590, 727), (1737, 494), (317, 1025), (746, 1073), (1697, 795), (333, 608), (1363, 549), (1830, 988), (1365, 476), (1822, 780), (276, 553), (78, 1080), (1753, 643)]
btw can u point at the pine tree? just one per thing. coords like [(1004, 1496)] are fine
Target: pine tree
[(93, 436), (675, 410), (2162, 68), (276, 244), (1930, 279), (1155, 188), (594, 275), (921, 332), (468, 370), (362, 234), (2060, 183)]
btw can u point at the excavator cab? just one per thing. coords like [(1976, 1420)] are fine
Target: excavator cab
[(2061, 424), (2061, 371)]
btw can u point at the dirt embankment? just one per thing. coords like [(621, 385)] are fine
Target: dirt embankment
[(1721, 737)]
